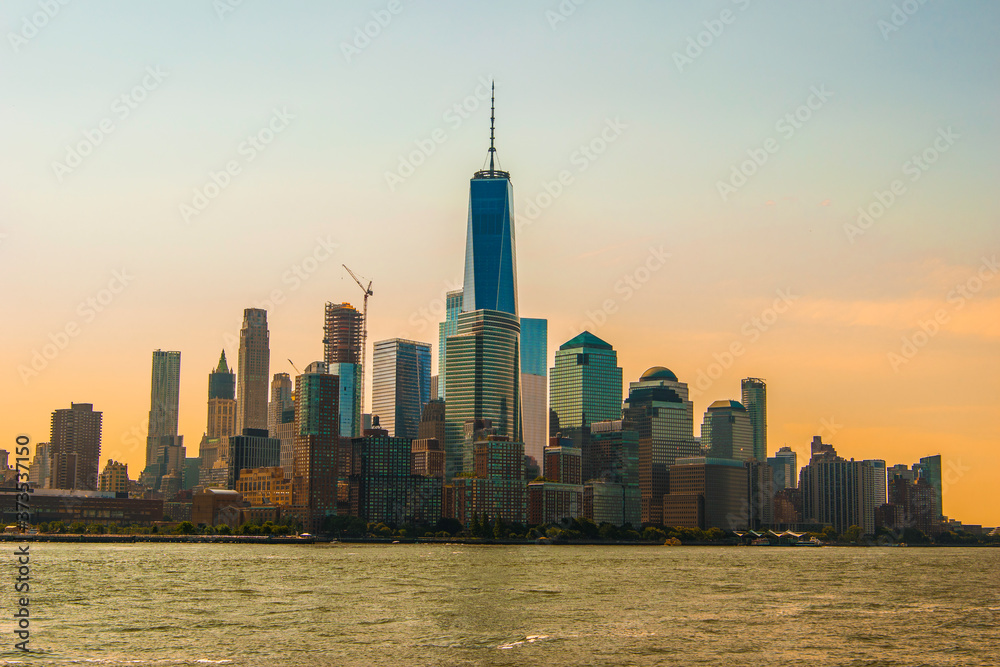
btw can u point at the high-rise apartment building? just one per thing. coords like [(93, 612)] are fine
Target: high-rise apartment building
[(611, 474), (427, 458), (314, 478), (252, 372), (453, 306), (114, 477), (383, 487), (755, 402), (534, 385), (585, 388), (75, 447), (483, 375), (401, 384), (839, 492), (727, 432), (342, 328), (163, 415), (659, 410), (929, 469)]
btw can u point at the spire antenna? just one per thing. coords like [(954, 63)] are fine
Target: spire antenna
[(493, 98)]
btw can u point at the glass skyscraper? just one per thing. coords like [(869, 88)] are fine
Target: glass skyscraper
[(350, 397), (755, 401), (401, 385), (490, 262), (483, 375), (726, 432), (534, 385), (659, 410), (585, 387), (453, 306)]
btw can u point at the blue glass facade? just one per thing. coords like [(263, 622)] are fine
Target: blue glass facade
[(453, 306), (490, 261), (401, 384), (350, 397)]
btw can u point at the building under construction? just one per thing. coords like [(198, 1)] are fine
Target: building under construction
[(342, 333)]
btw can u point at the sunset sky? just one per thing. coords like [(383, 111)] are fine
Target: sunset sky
[(687, 180)]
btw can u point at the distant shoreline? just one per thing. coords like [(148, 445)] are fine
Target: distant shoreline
[(260, 539)]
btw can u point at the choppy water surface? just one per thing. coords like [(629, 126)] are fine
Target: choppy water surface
[(178, 604)]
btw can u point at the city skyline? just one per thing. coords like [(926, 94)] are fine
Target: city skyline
[(767, 283)]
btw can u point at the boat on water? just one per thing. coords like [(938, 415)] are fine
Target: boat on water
[(811, 542)]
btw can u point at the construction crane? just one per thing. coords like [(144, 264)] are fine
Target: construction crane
[(297, 371), (364, 330)]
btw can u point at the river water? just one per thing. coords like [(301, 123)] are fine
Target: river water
[(340, 604)]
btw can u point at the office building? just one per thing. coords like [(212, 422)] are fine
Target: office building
[(453, 306), (432, 421), (755, 401), (281, 400), (316, 449), (427, 458), (707, 492), (75, 506), (483, 377), (562, 462), (554, 502), (252, 371), (534, 385), (585, 387), (401, 384), (490, 251), (264, 486), (254, 448), (75, 447), (659, 410), (784, 463), (726, 432), (221, 401)]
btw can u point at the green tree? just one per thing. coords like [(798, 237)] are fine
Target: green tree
[(185, 528), (77, 527), (653, 534), (853, 534), (95, 529), (223, 529)]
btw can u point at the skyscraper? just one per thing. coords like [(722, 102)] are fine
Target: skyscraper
[(253, 371), (281, 400), (342, 328), (253, 448), (726, 432), (490, 257), (453, 306), (755, 402), (585, 386), (929, 469), (483, 375), (786, 461), (659, 410), (314, 479), (75, 447), (534, 385), (163, 405), (221, 401), (401, 385)]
